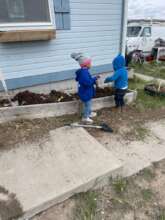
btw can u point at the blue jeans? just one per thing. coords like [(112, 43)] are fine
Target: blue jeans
[(87, 109)]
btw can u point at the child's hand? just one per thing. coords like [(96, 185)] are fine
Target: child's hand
[(107, 80)]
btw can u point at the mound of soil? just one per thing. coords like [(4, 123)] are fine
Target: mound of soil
[(30, 98), (56, 96), (154, 89), (103, 92)]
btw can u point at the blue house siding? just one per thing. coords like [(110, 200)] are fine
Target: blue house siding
[(95, 30), (28, 81)]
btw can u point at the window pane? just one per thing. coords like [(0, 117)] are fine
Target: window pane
[(15, 9), (146, 32), (133, 31), (24, 11)]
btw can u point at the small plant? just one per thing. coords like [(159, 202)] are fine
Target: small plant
[(141, 132), (120, 185), (147, 194), (86, 204), (148, 174), (161, 215)]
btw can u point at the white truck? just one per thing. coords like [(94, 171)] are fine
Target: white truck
[(142, 34)]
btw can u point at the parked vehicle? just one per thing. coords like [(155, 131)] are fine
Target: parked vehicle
[(142, 35), (157, 54)]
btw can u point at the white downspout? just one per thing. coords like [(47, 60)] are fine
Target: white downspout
[(124, 26)]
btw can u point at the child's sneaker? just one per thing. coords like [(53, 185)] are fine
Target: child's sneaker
[(93, 114), (87, 120)]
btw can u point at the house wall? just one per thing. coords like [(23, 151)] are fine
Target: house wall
[(95, 30)]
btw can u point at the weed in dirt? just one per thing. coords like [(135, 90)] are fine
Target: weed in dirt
[(161, 214), (147, 174), (161, 217), (86, 204), (121, 204), (119, 185), (138, 132), (147, 194), (141, 132)]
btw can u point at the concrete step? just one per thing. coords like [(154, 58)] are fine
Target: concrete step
[(44, 174)]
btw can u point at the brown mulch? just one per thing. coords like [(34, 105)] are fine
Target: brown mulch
[(31, 98)]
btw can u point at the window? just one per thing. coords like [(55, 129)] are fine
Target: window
[(26, 20), (133, 31), (146, 32), (62, 14), (24, 11), (15, 9)]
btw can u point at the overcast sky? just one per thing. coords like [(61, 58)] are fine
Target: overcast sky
[(147, 9)]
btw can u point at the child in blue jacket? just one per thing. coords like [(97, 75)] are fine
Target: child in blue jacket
[(120, 78), (86, 82)]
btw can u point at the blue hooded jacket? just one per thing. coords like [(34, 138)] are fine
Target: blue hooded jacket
[(120, 77), (86, 90)]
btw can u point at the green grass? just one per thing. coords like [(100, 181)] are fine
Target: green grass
[(86, 204), (145, 101), (161, 215), (141, 132), (147, 174), (147, 194), (153, 69), (119, 185)]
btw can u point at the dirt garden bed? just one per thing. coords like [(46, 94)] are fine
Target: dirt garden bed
[(29, 109), (30, 98)]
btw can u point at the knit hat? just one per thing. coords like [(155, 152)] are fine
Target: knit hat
[(81, 59)]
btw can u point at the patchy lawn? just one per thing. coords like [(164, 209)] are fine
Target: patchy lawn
[(145, 101), (140, 197), (153, 69)]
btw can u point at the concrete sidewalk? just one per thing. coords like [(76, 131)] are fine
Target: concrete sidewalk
[(42, 175), (137, 155)]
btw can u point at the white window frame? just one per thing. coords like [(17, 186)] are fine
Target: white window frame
[(31, 25)]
